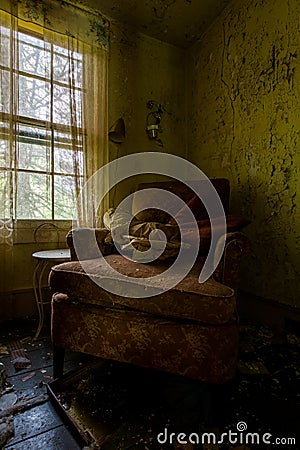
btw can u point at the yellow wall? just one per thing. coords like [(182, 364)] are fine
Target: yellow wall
[(244, 124), (140, 69)]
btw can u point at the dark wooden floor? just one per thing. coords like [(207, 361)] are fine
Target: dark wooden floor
[(265, 393), (39, 427)]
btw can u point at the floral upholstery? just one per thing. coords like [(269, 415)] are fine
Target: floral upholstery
[(184, 347), (189, 330)]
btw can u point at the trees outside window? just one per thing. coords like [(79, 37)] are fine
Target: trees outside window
[(43, 112)]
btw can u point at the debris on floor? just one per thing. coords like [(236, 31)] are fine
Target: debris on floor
[(124, 408), (24, 404), (28, 376), (252, 368), (3, 376), (7, 421), (19, 356), (6, 429), (7, 401), (9, 405), (5, 385), (3, 350)]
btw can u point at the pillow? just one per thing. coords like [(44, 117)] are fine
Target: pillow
[(128, 234), (233, 223), (197, 208), (139, 239)]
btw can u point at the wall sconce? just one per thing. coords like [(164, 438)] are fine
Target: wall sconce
[(117, 131), (154, 117)]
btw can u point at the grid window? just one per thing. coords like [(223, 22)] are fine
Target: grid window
[(42, 109)]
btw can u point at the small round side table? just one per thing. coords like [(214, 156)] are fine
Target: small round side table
[(45, 259)]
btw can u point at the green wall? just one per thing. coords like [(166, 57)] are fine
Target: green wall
[(244, 124)]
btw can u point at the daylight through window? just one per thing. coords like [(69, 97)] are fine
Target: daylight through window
[(43, 113)]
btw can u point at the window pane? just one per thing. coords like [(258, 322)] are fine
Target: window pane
[(33, 157), (65, 197), (34, 149), (66, 140), (65, 52), (62, 98), (62, 69), (4, 47), (4, 154), (4, 145), (68, 161), (5, 183), (34, 56), (34, 98), (32, 40), (5, 91), (34, 196)]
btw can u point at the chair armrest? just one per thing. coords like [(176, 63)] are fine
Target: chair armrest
[(85, 242), (237, 246)]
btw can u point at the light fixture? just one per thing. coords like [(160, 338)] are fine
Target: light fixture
[(154, 117), (117, 131)]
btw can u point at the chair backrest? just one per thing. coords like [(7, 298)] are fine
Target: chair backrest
[(180, 189)]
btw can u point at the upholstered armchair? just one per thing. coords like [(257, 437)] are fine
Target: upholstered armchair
[(190, 329)]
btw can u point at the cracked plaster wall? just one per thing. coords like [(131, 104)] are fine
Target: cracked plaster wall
[(244, 124)]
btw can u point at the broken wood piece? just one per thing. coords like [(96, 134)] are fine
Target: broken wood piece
[(7, 401), (3, 376), (22, 405), (18, 356), (6, 429), (28, 376)]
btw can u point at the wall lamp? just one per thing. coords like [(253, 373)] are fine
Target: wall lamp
[(154, 117), (116, 132)]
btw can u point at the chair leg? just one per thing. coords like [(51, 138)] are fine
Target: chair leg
[(58, 361)]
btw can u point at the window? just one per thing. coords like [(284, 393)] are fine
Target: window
[(43, 112)]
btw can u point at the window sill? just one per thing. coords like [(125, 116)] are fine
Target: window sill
[(41, 231)]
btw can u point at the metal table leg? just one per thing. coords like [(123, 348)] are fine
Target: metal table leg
[(37, 286)]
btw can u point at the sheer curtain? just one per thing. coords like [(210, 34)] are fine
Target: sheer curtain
[(66, 148), (87, 122)]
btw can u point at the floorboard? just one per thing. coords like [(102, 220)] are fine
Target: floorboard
[(58, 438), (39, 427)]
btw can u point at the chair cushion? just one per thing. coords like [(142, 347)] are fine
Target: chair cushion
[(209, 302)]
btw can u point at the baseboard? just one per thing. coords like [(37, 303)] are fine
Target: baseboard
[(270, 312), (20, 303)]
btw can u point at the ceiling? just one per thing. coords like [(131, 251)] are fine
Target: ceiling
[(179, 22)]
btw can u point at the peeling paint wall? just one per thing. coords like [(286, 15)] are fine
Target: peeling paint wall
[(178, 22), (244, 124)]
